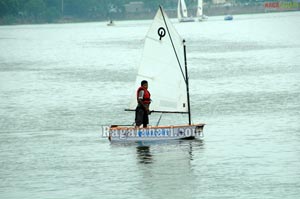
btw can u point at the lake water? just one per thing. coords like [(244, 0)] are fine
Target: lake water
[(60, 83)]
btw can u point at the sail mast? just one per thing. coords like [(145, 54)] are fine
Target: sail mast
[(187, 83)]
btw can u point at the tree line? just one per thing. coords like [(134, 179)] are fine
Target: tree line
[(49, 11)]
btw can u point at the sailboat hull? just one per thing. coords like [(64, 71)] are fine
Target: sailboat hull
[(131, 134), (228, 18), (202, 18), (186, 20)]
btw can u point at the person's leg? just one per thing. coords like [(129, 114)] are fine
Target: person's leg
[(145, 119), (139, 114)]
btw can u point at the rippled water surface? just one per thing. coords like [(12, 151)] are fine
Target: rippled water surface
[(60, 83)]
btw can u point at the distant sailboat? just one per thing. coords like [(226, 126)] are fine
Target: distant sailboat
[(164, 66), (228, 17), (110, 23), (182, 13), (199, 14)]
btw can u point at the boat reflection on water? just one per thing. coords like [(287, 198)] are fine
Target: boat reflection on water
[(168, 166), (149, 152), (159, 166), (143, 154)]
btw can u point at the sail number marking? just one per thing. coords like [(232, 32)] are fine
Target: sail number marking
[(161, 32)]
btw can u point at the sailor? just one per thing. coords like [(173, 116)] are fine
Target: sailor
[(142, 109)]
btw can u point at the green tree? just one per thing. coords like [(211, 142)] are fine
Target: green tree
[(3, 8), (51, 14), (81, 8), (10, 7), (153, 4), (35, 8)]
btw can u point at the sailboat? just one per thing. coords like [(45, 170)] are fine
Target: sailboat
[(199, 13), (182, 13), (164, 66), (110, 23), (228, 17)]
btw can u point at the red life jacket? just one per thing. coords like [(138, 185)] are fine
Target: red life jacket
[(146, 98)]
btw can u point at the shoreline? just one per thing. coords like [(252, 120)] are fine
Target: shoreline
[(210, 11)]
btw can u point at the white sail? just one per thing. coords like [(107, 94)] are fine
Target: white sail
[(179, 15), (181, 10), (199, 8), (162, 65), (184, 9)]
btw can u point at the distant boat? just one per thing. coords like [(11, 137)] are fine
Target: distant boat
[(200, 15), (182, 13), (164, 66), (111, 23), (228, 18)]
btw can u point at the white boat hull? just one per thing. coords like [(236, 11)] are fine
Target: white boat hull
[(202, 18), (125, 134), (188, 19)]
